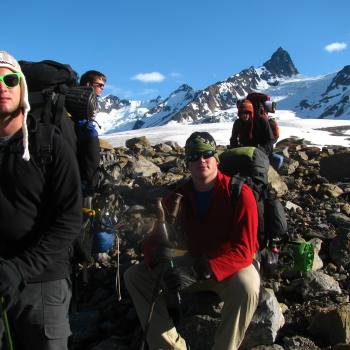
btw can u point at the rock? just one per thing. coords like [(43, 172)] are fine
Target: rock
[(345, 208), (138, 142), (332, 324), (316, 283), (104, 144), (299, 343), (331, 190), (302, 155), (336, 167), (140, 168), (291, 206), (289, 167), (317, 263), (293, 143), (163, 147), (339, 248), (267, 321), (276, 182), (339, 220)]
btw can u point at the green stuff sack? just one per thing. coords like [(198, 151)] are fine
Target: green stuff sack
[(301, 255)]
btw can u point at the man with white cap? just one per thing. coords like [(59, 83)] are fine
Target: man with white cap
[(40, 216)]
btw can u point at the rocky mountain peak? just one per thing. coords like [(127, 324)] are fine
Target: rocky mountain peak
[(183, 87), (281, 64), (112, 102), (341, 79)]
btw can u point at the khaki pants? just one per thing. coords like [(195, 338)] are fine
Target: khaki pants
[(240, 294)]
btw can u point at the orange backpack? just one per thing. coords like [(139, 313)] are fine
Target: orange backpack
[(262, 107)]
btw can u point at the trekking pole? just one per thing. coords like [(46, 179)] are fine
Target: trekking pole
[(161, 219), (157, 286), (6, 324)]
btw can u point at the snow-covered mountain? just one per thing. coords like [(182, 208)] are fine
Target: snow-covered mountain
[(310, 97)]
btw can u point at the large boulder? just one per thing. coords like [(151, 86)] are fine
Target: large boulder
[(267, 321), (332, 324), (336, 167)]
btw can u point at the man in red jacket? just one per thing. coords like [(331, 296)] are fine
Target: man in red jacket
[(221, 243)]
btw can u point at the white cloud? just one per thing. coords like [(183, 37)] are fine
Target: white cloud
[(153, 77), (334, 47), (175, 75)]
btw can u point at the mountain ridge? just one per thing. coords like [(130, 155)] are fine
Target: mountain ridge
[(310, 97)]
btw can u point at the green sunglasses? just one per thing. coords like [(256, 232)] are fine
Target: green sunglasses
[(11, 79)]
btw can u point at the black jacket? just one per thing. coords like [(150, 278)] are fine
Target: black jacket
[(40, 209), (88, 153), (262, 135)]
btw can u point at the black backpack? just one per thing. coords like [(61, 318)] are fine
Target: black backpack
[(55, 97), (249, 165), (56, 103)]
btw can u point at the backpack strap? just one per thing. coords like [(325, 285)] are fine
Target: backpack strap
[(260, 193), (43, 146), (59, 108), (236, 184)]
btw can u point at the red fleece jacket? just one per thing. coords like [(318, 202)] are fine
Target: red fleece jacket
[(227, 235)]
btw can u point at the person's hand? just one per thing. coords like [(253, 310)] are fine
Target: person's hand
[(162, 252), (182, 276), (10, 282)]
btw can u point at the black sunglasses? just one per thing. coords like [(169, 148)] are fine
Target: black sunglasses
[(11, 79), (195, 156), (100, 85)]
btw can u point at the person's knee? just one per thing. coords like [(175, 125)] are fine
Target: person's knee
[(248, 284)]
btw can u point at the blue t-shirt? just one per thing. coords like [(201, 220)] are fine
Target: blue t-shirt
[(202, 202)]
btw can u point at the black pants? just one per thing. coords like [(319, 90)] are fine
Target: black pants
[(39, 320)]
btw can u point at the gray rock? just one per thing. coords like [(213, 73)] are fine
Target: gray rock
[(289, 167), (316, 283), (141, 168), (299, 343), (267, 321), (276, 182), (140, 141)]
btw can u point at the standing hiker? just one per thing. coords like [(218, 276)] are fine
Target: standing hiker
[(88, 142), (252, 128), (221, 242), (40, 216)]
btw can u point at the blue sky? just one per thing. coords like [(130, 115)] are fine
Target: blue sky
[(149, 47)]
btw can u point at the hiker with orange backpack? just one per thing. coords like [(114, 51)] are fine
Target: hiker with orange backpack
[(254, 128)]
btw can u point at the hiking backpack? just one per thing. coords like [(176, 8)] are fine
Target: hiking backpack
[(57, 102), (249, 165), (262, 107), (55, 97)]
